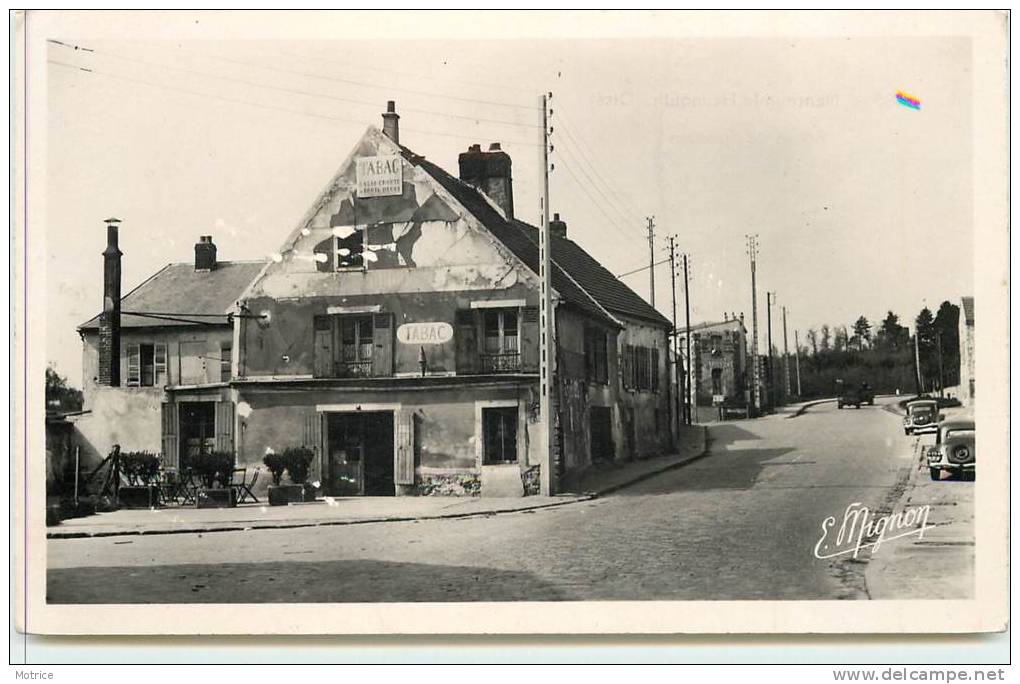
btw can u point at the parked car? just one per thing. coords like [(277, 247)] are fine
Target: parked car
[(921, 418), (954, 449), (848, 395)]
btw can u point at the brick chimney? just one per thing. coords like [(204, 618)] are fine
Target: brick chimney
[(205, 254), (109, 320), (490, 173), (557, 228), (391, 122)]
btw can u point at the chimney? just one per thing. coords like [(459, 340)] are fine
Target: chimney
[(391, 122), (205, 254), (725, 316), (109, 320), (490, 173), (558, 228)]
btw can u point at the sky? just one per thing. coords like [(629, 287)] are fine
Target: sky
[(860, 205)]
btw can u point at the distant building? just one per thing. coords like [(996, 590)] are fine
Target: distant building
[(967, 351), (719, 362)]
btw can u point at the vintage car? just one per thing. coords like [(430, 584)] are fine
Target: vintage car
[(922, 417), (953, 449), (848, 395)]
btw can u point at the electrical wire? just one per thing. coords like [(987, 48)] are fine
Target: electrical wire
[(594, 186), (249, 103), (643, 268), (598, 205), (581, 147), (293, 91)]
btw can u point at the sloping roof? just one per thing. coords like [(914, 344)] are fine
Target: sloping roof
[(579, 278), (180, 290), (968, 309)]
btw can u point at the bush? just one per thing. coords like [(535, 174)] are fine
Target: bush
[(276, 465), (298, 461), (140, 467), (212, 466)]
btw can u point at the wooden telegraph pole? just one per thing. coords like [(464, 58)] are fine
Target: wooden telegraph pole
[(546, 324), (651, 260)]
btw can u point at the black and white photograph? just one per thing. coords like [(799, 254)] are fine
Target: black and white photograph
[(536, 321)]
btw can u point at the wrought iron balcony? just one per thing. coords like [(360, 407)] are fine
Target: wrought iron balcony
[(501, 363)]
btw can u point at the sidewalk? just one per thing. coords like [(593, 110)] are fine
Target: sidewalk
[(941, 564), (359, 510)]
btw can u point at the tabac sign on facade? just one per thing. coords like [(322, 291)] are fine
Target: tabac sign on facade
[(380, 176), (425, 333)]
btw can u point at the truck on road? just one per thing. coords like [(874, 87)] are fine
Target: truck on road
[(850, 395)]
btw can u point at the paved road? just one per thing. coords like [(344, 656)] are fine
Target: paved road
[(740, 524)]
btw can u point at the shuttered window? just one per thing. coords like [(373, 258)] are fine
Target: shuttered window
[(147, 364)]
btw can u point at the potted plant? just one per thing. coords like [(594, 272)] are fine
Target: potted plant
[(296, 461), (215, 468), (141, 469)]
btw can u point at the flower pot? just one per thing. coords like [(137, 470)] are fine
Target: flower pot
[(283, 495), (144, 496), (216, 498)]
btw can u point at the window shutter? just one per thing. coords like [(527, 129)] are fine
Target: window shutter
[(382, 338), (529, 339), (159, 365), (312, 439), (465, 336), (171, 449), (403, 473), (322, 366), (134, 369), (225, 426), (655, 370)]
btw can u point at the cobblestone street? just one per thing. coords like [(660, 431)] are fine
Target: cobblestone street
[(739, 524)]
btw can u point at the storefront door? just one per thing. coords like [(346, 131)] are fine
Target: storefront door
[(359, 447)]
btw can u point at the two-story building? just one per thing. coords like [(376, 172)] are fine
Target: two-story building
[(395, 333), (168, 362), (719, 364)]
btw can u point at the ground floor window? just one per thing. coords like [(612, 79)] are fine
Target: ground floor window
[(499, 434)]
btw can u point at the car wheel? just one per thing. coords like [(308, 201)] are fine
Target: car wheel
[(936, 474)]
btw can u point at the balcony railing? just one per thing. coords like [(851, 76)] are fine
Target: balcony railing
[(353, 369), (501, 363)]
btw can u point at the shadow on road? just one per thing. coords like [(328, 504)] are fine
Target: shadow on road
[(723, 470), (343, 581)]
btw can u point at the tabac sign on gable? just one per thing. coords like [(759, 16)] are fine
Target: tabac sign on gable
[(380, 176)]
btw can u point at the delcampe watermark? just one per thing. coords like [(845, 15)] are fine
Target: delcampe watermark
[(861, 529)]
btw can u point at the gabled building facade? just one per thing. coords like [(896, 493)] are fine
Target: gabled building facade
[(719, 363), (396, 335)]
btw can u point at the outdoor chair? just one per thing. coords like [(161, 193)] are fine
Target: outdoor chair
[(242, 484)]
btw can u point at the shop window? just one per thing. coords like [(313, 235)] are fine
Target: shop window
[(499, 435), (717, 387), (146, 365)]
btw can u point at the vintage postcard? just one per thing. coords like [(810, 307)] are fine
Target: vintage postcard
[(514, 323)]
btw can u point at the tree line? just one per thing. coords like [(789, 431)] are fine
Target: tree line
[(884, 356)]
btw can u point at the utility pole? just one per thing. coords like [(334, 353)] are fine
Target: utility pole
[(690, 399), (942, 377), (796, 352), (917, 362), (546, 324), (678, 361), (651, 260), (752, 250), (770, 298), (786, 359)]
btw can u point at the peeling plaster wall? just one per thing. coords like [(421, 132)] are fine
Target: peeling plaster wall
[(276, 418), (283, 344), (129, 416), (652, 437)]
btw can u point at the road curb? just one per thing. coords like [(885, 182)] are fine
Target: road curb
[(284, 524), (650, 474), (803, 409)]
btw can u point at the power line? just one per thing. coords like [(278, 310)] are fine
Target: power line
[(375, 86), (628, 206), (429, 77), (643, 268), (259, 105), (597, 204), (573, 155), (294, 91)]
